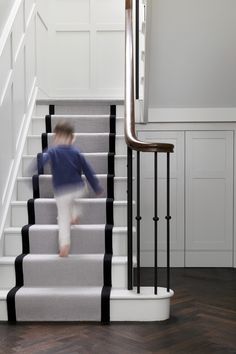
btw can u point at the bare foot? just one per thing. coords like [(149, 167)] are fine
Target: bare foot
[(75, 221), (64, 251)]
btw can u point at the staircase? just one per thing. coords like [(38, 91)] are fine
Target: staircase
[(91, 284)]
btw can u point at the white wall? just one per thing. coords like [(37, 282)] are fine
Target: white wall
[(81, 48), (17, 93), (192, 54)]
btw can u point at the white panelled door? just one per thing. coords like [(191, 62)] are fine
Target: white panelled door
[(209, 198)]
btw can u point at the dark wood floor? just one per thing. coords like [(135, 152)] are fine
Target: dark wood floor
[(203, 321)]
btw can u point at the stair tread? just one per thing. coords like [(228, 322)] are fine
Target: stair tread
[(31, 136), (87, 116), (116, 293), (99, 175), (3, 293), (60, 290), (12, 230), (73, 257), (120, 156), (100, 100), (77, 116), (7, 260), (145, 293), (84, 200)]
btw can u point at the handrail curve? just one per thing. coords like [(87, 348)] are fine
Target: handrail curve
[(130, 134)]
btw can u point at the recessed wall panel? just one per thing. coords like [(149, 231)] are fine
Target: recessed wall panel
[(30, 59), (72, 61), (5, 66), (209, 191), (18, 95), (204, 152), (43, 55), (17, 31), (109, 11), (109, 64), (208, 223), (6, 141), (72, 11), (28, 8)]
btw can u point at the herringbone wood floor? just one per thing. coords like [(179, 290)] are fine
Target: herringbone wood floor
[(203, 321)]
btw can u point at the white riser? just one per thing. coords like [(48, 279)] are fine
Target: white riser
[(3, 305), (34, 145), (42, 110), (13, 243), (27, 161), (80, 108), (129, 306), (120, 165), (7, 272), (119, 242), (19, 216), (25, 189), (38, 125)]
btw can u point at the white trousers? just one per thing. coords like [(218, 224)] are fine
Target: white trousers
[(67, 210)]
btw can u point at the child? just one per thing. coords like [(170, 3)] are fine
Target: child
[(67, 164)]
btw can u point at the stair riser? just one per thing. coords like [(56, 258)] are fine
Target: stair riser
[(25, 190), (120, 167), (38, 126), (139, 310), (19, 215), (3, 310), (119, 275), (42, 110), (34, 146), (7, 276), (13, 244)]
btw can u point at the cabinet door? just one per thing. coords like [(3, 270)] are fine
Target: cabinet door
[(177, 200), (209, 198)]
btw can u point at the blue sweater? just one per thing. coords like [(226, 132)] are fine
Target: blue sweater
[(67, 164)]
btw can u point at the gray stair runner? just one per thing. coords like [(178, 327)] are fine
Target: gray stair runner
[(75, 288)]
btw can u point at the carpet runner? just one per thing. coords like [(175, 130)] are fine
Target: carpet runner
[(76, 288)]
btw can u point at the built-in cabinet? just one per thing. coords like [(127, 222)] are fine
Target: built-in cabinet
[(202, 197)]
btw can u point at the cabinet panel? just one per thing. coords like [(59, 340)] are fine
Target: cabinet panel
[(209, 196), (177, 200)]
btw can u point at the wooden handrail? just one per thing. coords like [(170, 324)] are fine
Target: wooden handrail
[(130, 135)]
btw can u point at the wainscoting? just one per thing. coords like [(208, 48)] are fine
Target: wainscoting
[(17, 92)]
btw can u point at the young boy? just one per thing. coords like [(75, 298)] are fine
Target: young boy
[(67, 164)]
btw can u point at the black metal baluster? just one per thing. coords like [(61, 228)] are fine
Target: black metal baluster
[(155, 219), (138, 218), (168, 217), (130, 216)]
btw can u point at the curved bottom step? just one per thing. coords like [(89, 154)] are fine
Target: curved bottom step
[(127, 305)]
